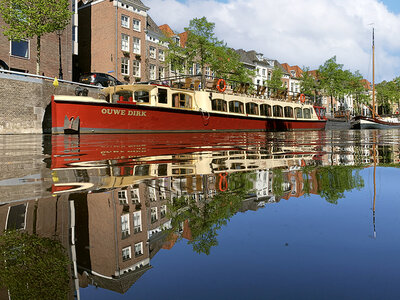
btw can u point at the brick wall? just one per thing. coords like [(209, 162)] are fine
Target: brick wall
[(25, 103)]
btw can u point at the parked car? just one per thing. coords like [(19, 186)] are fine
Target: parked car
[(3, 65), (99, 79)]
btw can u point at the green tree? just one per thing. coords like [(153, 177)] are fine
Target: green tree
[(275, 84), (358, 91), (333, 79), (33, 267), (34, 18), (308, 84), (387, 94)]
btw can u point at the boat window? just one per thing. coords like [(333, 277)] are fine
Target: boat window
[(252, 108), (278, 111), (162, 96), (236, 106), (298, 112), (124, 95), (218, 104), (288, 112), (142, 96), (265, 110), (181, 100), (307, 113)]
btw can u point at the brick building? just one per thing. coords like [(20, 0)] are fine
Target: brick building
[(113, 38), (21, 55)]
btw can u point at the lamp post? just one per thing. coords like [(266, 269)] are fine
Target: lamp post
[(59, 33)]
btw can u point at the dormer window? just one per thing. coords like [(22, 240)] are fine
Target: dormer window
[(293, 73), (177, 40)]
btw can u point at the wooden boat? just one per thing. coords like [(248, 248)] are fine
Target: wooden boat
[(374, 122), (145, 108)]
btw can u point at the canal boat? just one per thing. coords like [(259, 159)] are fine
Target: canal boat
[(155, 107)]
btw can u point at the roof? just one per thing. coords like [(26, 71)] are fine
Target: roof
[(296, 69), (183, 38), (252, 58), (367, 85), (152, 26), (167, 30)]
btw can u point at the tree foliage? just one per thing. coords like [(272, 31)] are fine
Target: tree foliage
[(204, 48), (33, 267), (34, 18), (275, 84)]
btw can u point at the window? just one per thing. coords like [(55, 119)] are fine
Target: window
[(162, 96), (161, 55), (142, 170), (136, 68), (152, 193), (16, 217), (152, 72), (278, 111), (136, 25), (124, 21), (138, 249), (125, 66), (288, 112), (126, 253), (137, 221), (125, 228), (307, 113), (152, 51), (198, 69), (163, 211), (263, 72), (182, 100), (298, 112), (218, 105), (153, 214), (122, 197), (265, 110), (20, 48), (136, 45), (161, 72), (135, 196), (251, 108), (236, 106), (124, 42)]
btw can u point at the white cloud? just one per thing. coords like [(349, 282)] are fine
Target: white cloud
[(299, 32)]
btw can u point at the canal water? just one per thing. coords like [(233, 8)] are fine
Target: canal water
[(249, 215)]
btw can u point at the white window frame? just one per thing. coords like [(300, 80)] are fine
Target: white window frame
[(136, 64), (123, 197), (153, 52), (124, 42), (163, 211), (161, 72), (135, 196), (136, 46), (140, 246), (128, 253), (125, 225), (125, 66), (136, 24), (28, 50), (153, 212), (137, 221), (125, 21), (153, 72), (161, 55)]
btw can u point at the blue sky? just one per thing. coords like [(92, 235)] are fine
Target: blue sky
[(299, 32)]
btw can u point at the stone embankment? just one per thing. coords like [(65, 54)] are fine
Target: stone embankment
[(25, 102)]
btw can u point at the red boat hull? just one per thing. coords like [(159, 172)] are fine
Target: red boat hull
[(124, 118)]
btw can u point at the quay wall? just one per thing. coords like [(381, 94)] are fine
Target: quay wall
[(25, 102)]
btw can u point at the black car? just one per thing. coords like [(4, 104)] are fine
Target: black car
[(99, 79), (3, 65)]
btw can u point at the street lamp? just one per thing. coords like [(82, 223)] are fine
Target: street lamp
[(59, 33)]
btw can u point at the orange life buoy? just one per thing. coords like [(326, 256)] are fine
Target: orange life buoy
[(223, 182), (223, 85), (302, 98)]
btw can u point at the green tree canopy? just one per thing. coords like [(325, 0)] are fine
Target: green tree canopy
[(308, 84), (33, 267), (275, 83), (34, 18)]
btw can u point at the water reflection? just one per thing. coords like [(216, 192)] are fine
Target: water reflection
[(114, 201)]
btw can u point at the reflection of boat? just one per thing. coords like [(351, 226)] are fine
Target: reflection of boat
[(160, 108), (374, 122)]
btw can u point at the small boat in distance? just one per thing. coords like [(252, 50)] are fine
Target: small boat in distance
[(376, 121), (185, 107)]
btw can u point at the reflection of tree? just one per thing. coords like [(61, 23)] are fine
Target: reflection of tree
[(208, 216), (333, 181), (277, 183), (33, 267)]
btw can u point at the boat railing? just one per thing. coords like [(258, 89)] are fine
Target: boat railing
[(232, 87)]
